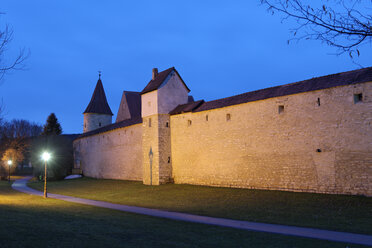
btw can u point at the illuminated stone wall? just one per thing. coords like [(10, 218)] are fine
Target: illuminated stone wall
[(312, 145), (94, 121), (116, 154), (157, 167), (156, 105)]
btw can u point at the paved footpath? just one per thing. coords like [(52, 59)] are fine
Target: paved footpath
[(21, 186)]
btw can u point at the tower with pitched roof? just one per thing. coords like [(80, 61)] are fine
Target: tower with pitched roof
[(98, 113), (163, 93)]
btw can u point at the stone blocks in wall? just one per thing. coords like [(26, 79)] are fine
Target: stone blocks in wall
[(94, 121), (156, 150), (319, 142), (116, 154)]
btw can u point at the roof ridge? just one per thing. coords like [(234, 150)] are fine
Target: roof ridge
[(129, 91), (320, 77), (312, 84), (113, 126), (155, 83)]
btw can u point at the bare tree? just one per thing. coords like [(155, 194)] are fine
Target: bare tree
[(1, 112), (15, 138), (20, 129), (6, 36), (345, 24)]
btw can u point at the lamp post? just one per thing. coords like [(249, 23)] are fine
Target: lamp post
[(45, 157), (9, 164)]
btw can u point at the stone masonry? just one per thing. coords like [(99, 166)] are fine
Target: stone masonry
[(320, 146), (111, 155), (316, 139)]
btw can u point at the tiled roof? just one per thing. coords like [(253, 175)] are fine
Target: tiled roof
[(190, 99), (319, 83), (159, 79), (187, 107), (134, 103), (130, 104), (98, 104), (113, 126)]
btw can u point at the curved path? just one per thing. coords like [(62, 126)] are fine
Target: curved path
[(21, 185)]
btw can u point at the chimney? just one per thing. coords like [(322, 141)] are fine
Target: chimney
[(154, 73)]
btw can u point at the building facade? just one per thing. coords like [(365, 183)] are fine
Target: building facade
[(310, 136)]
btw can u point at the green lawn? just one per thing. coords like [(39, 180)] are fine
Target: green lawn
[(31, 221), (332, 212)]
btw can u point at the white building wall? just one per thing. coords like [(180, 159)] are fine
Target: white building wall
[(149, 104), (171, 94)]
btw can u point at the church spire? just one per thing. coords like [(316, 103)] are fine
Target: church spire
[(98, 104)]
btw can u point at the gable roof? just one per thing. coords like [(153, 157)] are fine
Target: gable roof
[(154, 84), (98, 104), (130, 106), (319, 83)]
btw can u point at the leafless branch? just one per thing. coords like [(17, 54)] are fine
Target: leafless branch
[(17, 63), (345, 30)]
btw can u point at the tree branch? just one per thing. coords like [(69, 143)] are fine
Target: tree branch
[(345, 30)]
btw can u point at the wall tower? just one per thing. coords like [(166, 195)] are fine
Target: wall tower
[(163, 93), (98, 113)]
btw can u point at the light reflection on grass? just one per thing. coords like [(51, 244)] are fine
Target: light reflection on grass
[(333, 212), (31, 221)]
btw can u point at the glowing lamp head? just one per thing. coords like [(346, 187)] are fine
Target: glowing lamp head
[(9, 162), (45, 156)]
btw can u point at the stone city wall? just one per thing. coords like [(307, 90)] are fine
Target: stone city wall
[(115, 154), (319, 141)]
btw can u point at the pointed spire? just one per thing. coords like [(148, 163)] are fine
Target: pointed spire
[(98, 104)]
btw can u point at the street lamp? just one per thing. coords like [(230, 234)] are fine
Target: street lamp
[(9, 165), (45, 156)]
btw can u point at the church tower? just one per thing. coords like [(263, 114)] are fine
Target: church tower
[(163, 93), (98, 112)]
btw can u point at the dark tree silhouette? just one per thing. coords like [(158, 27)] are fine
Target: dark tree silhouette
[(343, 24), (19, 129), (52, 126)]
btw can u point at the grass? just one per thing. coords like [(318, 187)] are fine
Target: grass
[(31, 221), (332, 212)]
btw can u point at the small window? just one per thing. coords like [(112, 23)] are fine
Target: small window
[(99, 124), (206, 117), (318, 101), (358, 98), (228, 117), (281, 109), (189, 122), (149, 104), (150, 122), (167, 124), (168, 160)]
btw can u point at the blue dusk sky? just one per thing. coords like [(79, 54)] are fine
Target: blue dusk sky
[(220, 48)]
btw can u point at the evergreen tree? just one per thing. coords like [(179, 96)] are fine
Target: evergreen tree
[(52, 126)]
